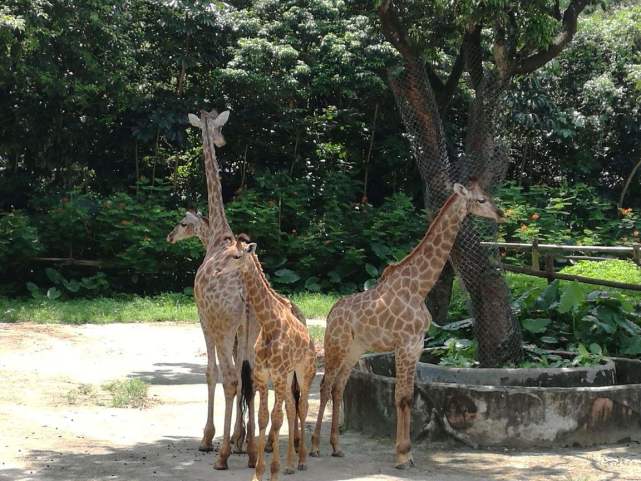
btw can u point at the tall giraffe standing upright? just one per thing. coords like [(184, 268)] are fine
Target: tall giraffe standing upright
[(284, 348), (193, 224), (219, 298), (393, 317)]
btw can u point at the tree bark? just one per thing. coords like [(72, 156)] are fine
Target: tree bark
[(439, 298)]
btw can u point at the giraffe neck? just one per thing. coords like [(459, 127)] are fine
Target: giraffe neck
[(202, 232), (420, 269), (218, 225), (261, 296)]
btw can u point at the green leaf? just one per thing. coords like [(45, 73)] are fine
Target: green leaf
[(535, 326), (548, 297), (286, 276), (54, 276), (53, 293), (311, 284), (596, 349), (369, 283), (631, 346), (34, 290), (571, 298), (382, 251), (371, 270), (549, 340), (335, 277)]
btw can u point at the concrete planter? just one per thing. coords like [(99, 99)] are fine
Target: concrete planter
[(499, 415)]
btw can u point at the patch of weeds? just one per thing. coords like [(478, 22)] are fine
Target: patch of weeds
[(128, 393), (83, 394)]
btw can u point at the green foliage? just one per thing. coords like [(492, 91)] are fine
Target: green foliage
[(18, 240), (128, 393), (573, 214), (119, 308), (612, 270)]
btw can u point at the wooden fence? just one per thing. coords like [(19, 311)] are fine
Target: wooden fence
[(549, 252)]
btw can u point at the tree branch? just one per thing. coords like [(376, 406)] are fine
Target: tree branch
[(444, 95), (472, 54), (394, 32), (537, 60)]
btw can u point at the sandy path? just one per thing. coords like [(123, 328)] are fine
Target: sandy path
[(44, 438)]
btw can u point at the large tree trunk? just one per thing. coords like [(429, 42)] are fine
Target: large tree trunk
[(438, 300), (497, 332)]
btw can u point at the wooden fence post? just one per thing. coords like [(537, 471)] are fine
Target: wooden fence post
[(536, 256), (549, 267)]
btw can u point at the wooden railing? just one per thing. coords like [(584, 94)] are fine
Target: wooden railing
[(548, 252)]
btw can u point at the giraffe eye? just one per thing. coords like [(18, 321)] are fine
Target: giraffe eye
[(183, 224), (481, 201), (237, 256)]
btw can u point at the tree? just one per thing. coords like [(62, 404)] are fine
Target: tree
[(493, 43)]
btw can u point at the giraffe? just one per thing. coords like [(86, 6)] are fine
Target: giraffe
[(283, 349), (392, 316), (193, 224), (219, 299)]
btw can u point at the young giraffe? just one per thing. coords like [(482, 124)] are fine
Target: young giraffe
[(193, 224), (283, 348), (392, 317)]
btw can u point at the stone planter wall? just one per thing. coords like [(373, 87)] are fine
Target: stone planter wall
[(505, 416)]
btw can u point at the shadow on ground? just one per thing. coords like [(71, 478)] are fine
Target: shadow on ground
[(177, 458)]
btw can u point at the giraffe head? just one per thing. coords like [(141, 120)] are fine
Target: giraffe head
[(238, 256), (213, 122), (479, 202), (189, 226)]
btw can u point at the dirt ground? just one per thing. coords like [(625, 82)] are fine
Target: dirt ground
[(45, 438)]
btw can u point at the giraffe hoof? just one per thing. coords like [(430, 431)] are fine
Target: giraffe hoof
[(302, 467), (205, 449), (406, 465), (315, 453), (338, 454), (221, 466), (268, 448), (289, 470)]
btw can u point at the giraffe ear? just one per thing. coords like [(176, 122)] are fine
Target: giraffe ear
[(195, 121), (222, 119), (460, 190), (251, 248)]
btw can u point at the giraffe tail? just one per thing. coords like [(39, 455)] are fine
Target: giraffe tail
[(247, 388), (296, 393)]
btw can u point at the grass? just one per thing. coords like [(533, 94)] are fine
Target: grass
[(181, 308), (128, 393), (164, 307)]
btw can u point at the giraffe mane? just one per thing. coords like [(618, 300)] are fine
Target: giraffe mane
[(391, 268)]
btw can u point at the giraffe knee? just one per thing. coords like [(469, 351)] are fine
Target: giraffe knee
[(404, 402), (403, 447), (231, 388)]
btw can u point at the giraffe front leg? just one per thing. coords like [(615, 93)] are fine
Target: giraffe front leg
[(206, 444), (404, 395), (334, 357), (290, 408), (230, 386), (260, 382), (352, 357), (306, 376), (280, 393)]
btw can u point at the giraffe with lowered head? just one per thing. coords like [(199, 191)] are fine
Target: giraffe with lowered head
[(392, 316)]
